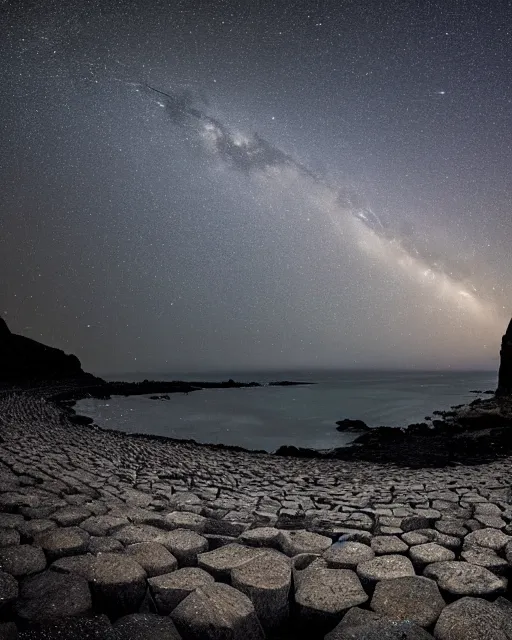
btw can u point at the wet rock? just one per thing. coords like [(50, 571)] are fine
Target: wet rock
[(222, 561), (294, 542), (412, 598), (347, 555), (146, 626), (323, 595), (464, 579), (266, 580), (356, 426), (170, 589), (473, 619), (384, 545), (153, 557), (185, 545), (217, 612), (355, 535), (22, 560), (65, 541), (52, 595), (8, 589), (423, 554), (384, 568)]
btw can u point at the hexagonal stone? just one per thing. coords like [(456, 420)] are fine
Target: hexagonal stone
[(451, 527), (60, 542), (104, 544), (185, 520), (134, 533), (411, 523), (8, 589), (324, 595), (185, 545), (11, 520), (52, 595), (347, 555), (153, 557), (305, 562), (294, 542), (473, 619), (94, 628), (508, 553), (70, 516), (384, 545), (464, 579), (9, 537), (217, 612), (266, 580), (377, 629), (118, 583), (22, 560), (485, 558), (413, 538), (450, 542), (103, 525), (384, 568), (411, 598), (423, 554), (221, 561), (146, 626), (170, 589), (261, 537), (488, 538), (30, 529)]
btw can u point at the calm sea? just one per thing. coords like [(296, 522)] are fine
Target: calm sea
[(267, 417)]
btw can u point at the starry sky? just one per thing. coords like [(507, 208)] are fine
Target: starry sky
[(202, 185)]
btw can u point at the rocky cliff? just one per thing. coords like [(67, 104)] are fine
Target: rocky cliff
[(505, 373), (24, 361)]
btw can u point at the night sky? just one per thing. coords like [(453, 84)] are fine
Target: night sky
[(249, 185)]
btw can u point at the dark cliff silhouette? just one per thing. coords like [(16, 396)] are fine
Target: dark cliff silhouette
[(505, 372), (26, 361)]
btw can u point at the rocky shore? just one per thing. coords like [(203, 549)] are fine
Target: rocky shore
[(111, 536), (108, 535)]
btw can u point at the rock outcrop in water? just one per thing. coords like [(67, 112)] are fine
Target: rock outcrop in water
[(505, 373), (26, 361)]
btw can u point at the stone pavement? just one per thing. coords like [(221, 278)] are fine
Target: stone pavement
[(108, 535)]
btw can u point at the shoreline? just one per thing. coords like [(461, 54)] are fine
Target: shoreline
[(475, 433), (93, 520)]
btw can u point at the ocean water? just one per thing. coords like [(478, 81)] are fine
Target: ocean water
[(304, 416)]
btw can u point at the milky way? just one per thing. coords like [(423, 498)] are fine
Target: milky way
[(200, 185), (252, 153)]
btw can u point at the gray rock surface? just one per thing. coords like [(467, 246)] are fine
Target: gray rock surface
[(146, 626), (473, 619), (347, 555), (384, 568), (170, 589), (50, 595), (217, 612), (153, 557), (22, 560), (412, 598), (325, 595), (464, 579), (266, 580), (8, 589)]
